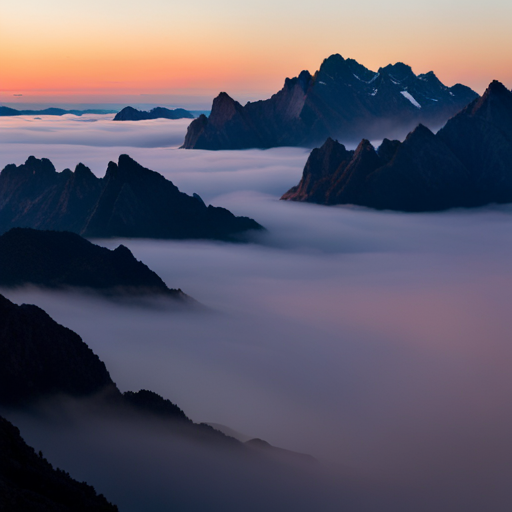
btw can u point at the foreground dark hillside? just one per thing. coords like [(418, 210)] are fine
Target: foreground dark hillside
[(467, 163), (29, 483), (40, 358)]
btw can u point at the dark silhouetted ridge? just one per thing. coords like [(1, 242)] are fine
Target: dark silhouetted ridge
[(467, 163), (10, 112), (153, 403), (130, 201), (40, 358), (132, 114), (29, 483), (58, 259)]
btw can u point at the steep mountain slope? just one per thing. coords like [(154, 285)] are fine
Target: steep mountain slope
[(130, 201), (468, 163), (39, 358), (29, 483), (342, 100), (58, 259)]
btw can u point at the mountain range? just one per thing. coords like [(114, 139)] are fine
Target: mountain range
[(10, 112), (60, 259), (130, 201), (132, 114), (343, 100), (467, 163)]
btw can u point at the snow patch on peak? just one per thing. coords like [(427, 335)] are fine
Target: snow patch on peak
[(369, 81), (407, 95), (374, 78)]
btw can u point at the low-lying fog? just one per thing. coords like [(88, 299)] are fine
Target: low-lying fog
[(378, 342)]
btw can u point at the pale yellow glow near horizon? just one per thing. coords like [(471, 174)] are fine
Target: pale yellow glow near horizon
[(56, 48)]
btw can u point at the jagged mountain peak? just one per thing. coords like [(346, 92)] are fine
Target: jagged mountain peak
[(388, 149), (130, 201), (495, 101), (421, 131), (223, 99), (330, 142), (364, 146), (496, 87), (344, 100), (40, 165), (126, 161), (467, 163), (398, 71)]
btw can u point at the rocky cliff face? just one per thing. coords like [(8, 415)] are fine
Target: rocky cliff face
[(130, 201), (342, 100), (60, 259), (132, 114), (467, 163)]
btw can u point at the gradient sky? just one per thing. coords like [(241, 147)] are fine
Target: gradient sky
[(157, 50)]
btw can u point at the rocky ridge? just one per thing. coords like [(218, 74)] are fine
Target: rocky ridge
[(467, 163), (60, 259), (129, 201), (343, 100)]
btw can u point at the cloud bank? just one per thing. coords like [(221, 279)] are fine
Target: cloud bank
[(378, 342)]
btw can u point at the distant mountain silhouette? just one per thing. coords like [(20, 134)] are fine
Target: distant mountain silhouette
[(58, 259), (130, 201), (467, 163), (29, 483), (132, 114), (342, 100), (11, 112), (264, 446)]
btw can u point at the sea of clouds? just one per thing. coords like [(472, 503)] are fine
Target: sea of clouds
[(378, 342)]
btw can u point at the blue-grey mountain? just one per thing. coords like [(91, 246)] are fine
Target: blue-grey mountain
[(342, 100), (130, 201), (52, 111), (132, 114), (467, 163)]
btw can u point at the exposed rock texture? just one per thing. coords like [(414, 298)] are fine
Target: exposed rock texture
[(132, 114), (342, 100), (58, 259), (130, 201), (467, 163), (29, 483)]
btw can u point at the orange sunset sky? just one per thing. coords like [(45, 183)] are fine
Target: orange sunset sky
[(163, 50)]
